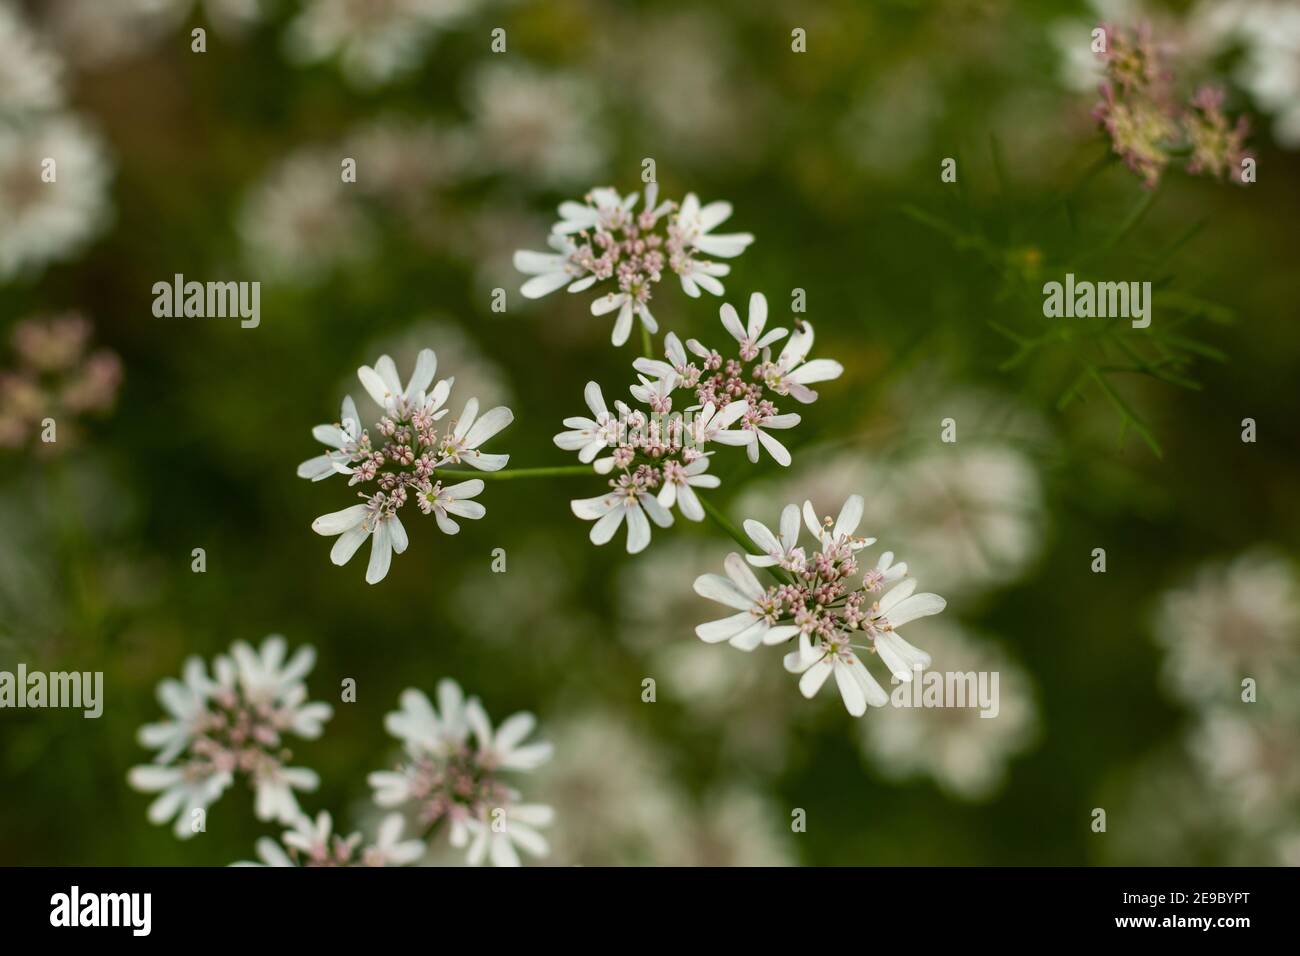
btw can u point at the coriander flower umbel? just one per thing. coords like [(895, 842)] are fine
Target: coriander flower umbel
[(603, 237), (820, 599), (313, 843), (407, 461), (693, 398), (231, 724), (454, 771)]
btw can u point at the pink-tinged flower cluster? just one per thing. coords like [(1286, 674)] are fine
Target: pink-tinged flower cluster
[(836, 608), (453, 776), (1147, 126), (227, 725), (56, 375), (657, 456), (400, 462), (605, 239), (1218, 145), (313, 843)]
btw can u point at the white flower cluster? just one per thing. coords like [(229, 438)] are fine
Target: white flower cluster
[(314, 843), (451, 772), (604, 238), (229, 724), (403, 462), (234, 723), (819, 598), (659, 456), (54, 169)]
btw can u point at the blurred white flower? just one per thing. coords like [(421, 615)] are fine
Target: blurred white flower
[(542, 126), (445, 776), (49, 211), (30, 72), (965, 753), (375, 41), (97, 32), (231, 724), (299, 223), (313, 843), (410, 462), (1268, 31), (1248, 751), (1233, 620)]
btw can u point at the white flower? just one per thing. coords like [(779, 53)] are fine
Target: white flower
[(313, 843), (405, 463), (1232, 620), (452, 500), (354, 525), (505, 749), (755, 622), (755, 422), (495, 839), (45, 221), (630, 500), (964, 749), (603, 238), (30, 72), (679, 482), (819, 600), (299, 222), (227, 724), (587, 436), (181, 794), (712, 424), (696, 224), (375, 43), (604, 210), (540, 126), (343, 438), (628, 305), (839, 534), (550, 271), (783, 552), (385, 387), (448, 778), (791, 375), (750, 337), (470, 432)]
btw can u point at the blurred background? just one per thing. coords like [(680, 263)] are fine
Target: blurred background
[(1119, 691)]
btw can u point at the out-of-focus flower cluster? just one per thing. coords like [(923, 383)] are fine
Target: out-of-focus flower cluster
[(659, 456), (604, 238), (54, 170), (314, 843), (1231, 637), (454, 772), (819, 598), (1147, 124), (56, 375), (402, 461), (229, 724)]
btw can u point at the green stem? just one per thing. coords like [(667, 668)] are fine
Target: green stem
[(647, 347), (510, 473), (742, 539)]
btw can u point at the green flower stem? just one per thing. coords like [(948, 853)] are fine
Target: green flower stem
[(742, 539), (507, 474), (647, 346)]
